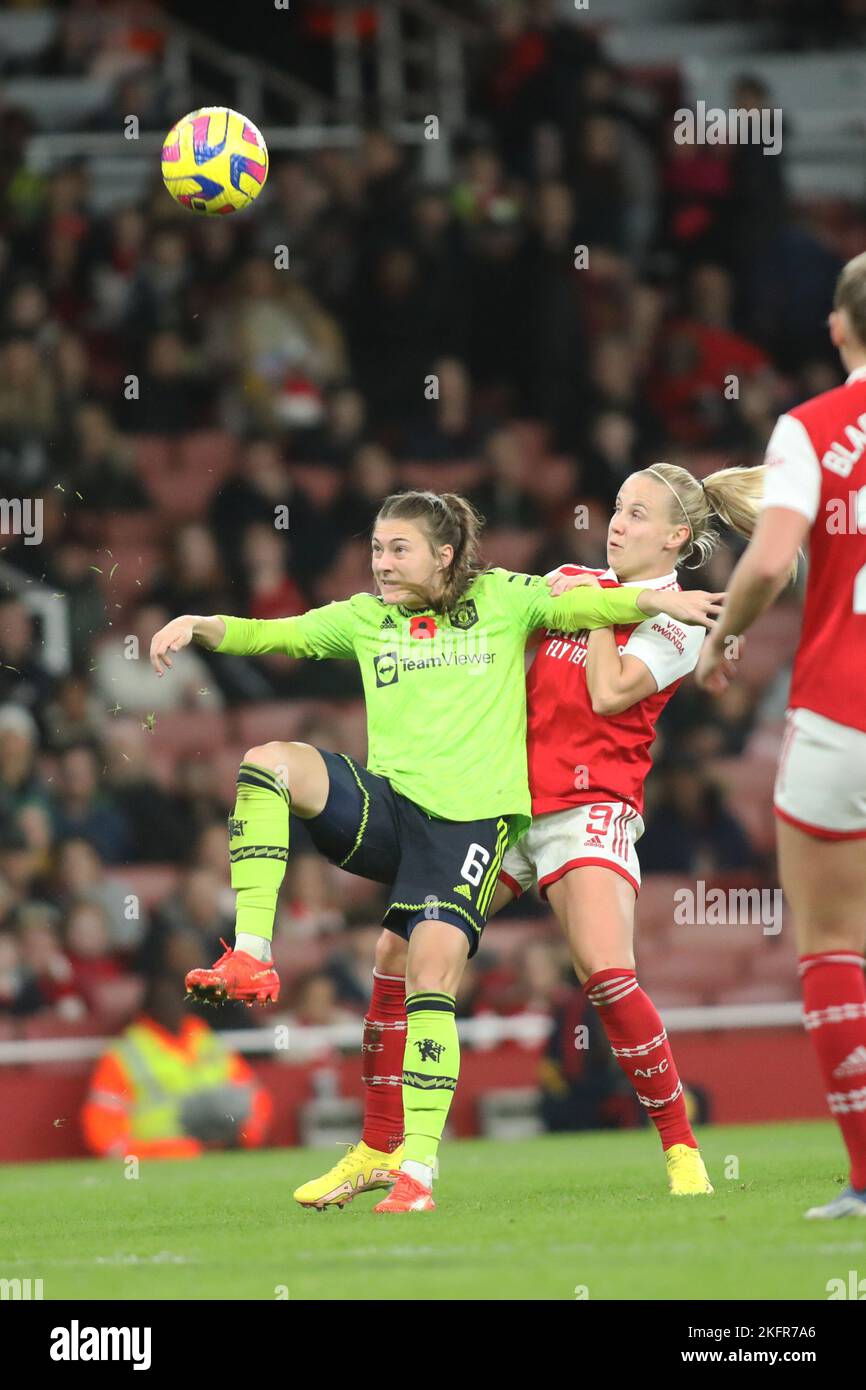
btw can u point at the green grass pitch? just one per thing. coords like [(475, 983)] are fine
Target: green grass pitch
[(536, 1219)]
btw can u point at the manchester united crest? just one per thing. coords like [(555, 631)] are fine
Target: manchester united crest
[(464, 614)]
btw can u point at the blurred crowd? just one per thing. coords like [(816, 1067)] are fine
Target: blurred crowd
[(635, 299)]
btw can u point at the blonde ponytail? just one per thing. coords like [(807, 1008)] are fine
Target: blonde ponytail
[(731, 496)]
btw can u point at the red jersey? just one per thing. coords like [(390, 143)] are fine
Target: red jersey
[(575, 755), (816, 461)]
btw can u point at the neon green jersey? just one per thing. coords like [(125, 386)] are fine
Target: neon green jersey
[(445, 693)]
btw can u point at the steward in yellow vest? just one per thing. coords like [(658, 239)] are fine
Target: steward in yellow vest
[(169, 1088)]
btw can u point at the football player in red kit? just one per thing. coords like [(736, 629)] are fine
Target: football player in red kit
[(816, 491), (592, 709)]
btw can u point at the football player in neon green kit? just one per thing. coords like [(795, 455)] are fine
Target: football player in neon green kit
[(445, 790)]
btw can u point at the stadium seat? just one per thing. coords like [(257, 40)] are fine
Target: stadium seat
[(321, 485), (701, 980), (350, 719), (58, 103), (24, 36), (226, 762), (162, 762), (350, 574), (770, 646), (503, 940), (759, 992), (191, 731), (460, 475), (151, 883), (777, 962), (765, 741), (275, 720), (183, 494), (294, 957), (209, 453), (748, 787), (650, 45), (669, 995), (154, 453), (552, 481), (509, 548), (656, 904), (128, 573), (120, 531), (532, 435), (351, 891)]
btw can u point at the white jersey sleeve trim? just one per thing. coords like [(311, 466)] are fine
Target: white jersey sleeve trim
[(668, 649), (793, 477)]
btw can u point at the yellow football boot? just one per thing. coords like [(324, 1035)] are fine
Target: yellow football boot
[(687, 1176), (361, 1169)]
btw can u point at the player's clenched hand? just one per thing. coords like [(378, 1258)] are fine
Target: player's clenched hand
[(695, 607), (560, 583), (716, 669), (176, 634)]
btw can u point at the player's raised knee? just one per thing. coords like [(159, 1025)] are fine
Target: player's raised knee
[(272, 755)]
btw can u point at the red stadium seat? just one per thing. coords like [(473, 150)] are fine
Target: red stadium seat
[(351, 891), (511, 549), (350, 720), (701, 981), (656, 904), (350, 574), (532, 435), (505, 940), (748, 786), (552, 480), (191, 731), (765, 741), (226, 762), (759, 992), (207, 452), (128, 572), (121, 531), (321, 485), (776, 962), (770, 645), (294, 957), (275, 720), (151, 883), (677, 996), (154, 453), (455, 475)]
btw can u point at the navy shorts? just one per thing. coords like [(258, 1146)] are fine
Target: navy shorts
[(440, 870)]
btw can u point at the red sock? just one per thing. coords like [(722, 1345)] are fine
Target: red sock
[(382, 1057), (640, 1044), (834, 1004)]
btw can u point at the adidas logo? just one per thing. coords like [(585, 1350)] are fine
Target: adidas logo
[(463, 890), (387, 623), (854, 1063), (594, 842)]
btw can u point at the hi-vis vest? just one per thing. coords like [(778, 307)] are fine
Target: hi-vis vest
[(160, 1078)]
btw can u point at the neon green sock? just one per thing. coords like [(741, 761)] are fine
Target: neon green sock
[(431, 1066), (258, 848)]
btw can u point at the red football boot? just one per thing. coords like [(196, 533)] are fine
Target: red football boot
[(236, 975), (407, 1194)]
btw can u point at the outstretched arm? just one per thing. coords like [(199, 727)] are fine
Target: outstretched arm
[(321, 632)]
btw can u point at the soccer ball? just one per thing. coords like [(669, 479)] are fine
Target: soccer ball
[(214, 161)]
